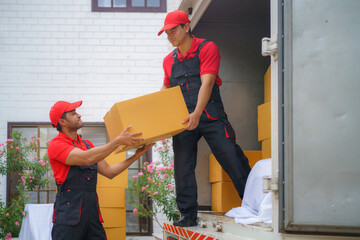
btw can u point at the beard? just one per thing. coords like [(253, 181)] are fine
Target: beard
[(76, 126)]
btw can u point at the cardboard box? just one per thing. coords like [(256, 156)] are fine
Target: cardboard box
[(111, 197), (217, 174), (264, 121), (113, 217), (115, 233), (157, 115), (267, 85), (253, 157), (224, 197), (120, 180), (266, 148)]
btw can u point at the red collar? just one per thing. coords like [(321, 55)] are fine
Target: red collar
[(194, 46), (63, 135)]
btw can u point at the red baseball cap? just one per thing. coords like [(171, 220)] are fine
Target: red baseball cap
[(59, 108), (173, 19)]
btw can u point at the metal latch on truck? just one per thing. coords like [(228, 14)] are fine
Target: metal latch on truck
[(270, 184), (269, 47)]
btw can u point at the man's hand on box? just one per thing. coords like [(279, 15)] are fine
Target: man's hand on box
[(128, 138), (143, 150), (193, 121)]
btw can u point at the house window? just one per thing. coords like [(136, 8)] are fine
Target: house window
[(129, 5), (44, 133), (96, 133), (135, 224)]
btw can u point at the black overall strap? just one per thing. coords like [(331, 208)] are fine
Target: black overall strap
[(85, 143), (200, 47), (174, 54)]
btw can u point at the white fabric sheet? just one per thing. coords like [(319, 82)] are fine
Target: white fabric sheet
[(37, 224), (256, 206)]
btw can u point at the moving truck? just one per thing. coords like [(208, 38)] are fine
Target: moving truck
[(313, 49)]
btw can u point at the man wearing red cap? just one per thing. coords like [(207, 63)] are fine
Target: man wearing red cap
[(75, 163), (194, 66)]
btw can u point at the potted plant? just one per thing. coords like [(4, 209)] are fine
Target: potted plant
[(16, 164)]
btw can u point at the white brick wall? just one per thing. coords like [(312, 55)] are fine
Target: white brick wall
[(60, 50)]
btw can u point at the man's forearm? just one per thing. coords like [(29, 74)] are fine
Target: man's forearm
[(112, 171), (93, 155), (208, 81)]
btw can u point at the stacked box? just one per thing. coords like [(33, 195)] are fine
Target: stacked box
[(224, 195), (267, 85), (111, 195), (264, 118), (120, 180), (266, 148), (264, 121), (216, 173), (114, 233)]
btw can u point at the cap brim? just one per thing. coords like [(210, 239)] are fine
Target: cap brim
[(73, 106), (167, 27)]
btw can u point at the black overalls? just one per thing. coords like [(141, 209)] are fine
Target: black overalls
[(76, 210), (213, 126)]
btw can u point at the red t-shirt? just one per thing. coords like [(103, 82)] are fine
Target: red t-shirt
[(209, 60), (58, 150)]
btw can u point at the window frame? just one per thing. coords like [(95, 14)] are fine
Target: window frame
[(95, 8), (37, 125)]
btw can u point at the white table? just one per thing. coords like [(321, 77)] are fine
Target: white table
[(37, 224)]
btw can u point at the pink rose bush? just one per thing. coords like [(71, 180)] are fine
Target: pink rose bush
[(152, 190), (16, 163)]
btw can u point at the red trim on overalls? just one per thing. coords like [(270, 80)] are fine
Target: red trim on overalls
[(80, 210), (187, 86), (227, 135), (97, 204), (208, 115), (53, 220)]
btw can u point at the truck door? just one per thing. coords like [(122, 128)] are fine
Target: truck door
[(319, 112)]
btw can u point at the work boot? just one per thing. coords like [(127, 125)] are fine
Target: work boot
[(185, 221)]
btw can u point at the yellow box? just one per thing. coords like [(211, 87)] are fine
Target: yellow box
[(253, 157), (157, 115), (266, 148), (267, 85), (264, 121), (217, 174), (115, 233), (113, 217), (224, 197), (120, 180), (111, 197)]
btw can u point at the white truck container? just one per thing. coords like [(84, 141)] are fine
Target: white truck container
[(315, 111)]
